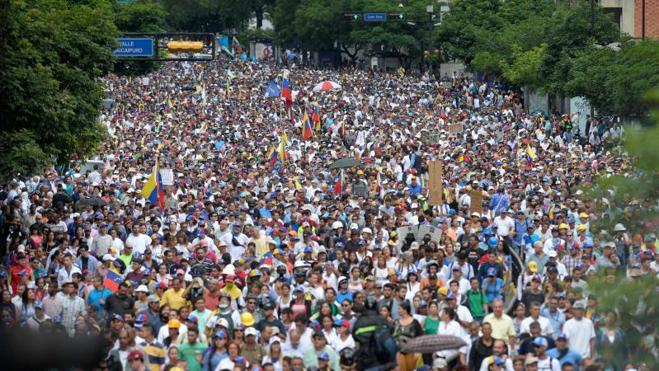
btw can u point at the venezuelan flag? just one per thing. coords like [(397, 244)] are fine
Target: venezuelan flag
[(307, 130), (531, 152), (338, 186), (153, 189), (272, 157), (315, 116), (282, 149)]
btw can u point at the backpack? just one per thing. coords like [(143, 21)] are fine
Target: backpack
[(385, 346)]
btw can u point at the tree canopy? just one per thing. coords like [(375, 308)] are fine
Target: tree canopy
[(54, 51)]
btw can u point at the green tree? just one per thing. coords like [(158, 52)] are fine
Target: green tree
[(54, 52), (630, 199), (139, 16), (206, 15), (525, 67), (614, 81)]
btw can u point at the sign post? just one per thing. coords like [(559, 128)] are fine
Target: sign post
[(375, 17), (134, 47)]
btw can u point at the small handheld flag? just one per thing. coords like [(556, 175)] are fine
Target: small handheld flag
[(531, 152)]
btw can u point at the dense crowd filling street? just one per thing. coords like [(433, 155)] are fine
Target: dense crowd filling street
[(253, 216)]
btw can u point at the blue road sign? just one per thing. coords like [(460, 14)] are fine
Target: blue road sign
[(375, 17), (134, 47)]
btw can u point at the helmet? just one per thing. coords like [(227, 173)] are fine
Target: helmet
[(347, 357), (247, 319)]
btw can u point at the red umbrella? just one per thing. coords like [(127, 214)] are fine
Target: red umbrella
[(326, 85)]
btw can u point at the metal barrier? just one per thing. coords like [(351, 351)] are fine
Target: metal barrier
[(516, 270)]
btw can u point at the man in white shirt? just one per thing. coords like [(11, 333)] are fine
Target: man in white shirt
[(65, 273), (236, 241), (504, 224), (137, 240), (580, 331), (545, 324)]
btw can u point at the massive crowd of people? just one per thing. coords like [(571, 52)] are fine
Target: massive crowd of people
[(257, 254)]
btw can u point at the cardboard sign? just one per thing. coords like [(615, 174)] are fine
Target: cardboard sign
[(360, 189), (434, 232), (167, 176), (435, 189), (404, 231), (454, 129), (476, 201)]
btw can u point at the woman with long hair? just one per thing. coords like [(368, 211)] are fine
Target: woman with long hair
[(216, 352), (431, 322), (26, 308), (9, 315), (406, 328), (274, 354)]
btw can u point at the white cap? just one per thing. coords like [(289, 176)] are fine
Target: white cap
[(552, 254), (354, 226), (108, 258), (367, 230), (142, 288), (337, 224), (250, 331), (222, 322)]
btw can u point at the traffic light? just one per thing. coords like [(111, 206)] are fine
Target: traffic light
[(175, 47)]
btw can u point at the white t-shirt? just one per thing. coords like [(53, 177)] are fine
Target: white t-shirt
[(579, 333), (549, 364), (545, 325), (504, 225), (339, 344)]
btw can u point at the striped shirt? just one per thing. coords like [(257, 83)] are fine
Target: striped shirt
[(156, 353)]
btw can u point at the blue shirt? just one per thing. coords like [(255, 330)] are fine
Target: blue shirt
[(95, 296), (555, 319), (570, 357), (414, 190), (493, 290)]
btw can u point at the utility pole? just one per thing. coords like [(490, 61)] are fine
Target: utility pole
[(643, 20)]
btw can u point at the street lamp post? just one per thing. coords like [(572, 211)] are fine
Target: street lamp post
[(430, 11)]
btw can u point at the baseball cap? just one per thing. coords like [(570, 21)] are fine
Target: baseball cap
[(579, 305), (174, 323), (135, 354), (323, 356), (250, 331), (540, 342), (530, 359), (562, 336), (533, 266), (38, 304), (142, 288), (491, 272)]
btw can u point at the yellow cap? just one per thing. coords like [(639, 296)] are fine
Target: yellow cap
[(443, 290), (174, 323), (533, 266), (563, 226)]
